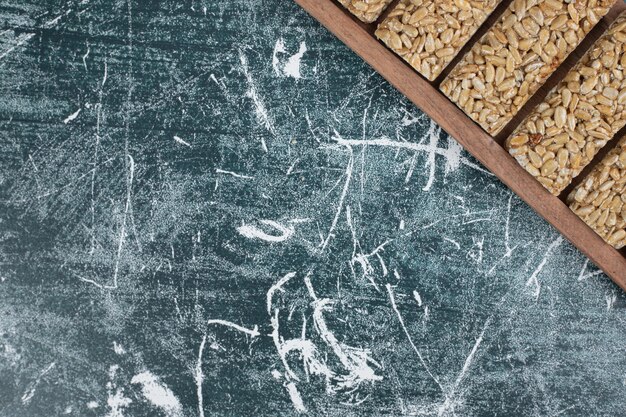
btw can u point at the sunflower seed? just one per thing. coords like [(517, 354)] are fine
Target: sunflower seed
[(581, 121), (600, 200), (435, 30), (366, 10), (525, 46)]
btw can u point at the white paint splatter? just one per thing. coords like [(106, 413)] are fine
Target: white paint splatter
[(507, 227), (583, 272), (252, 93), (417, 297), (105, 76), (92, 405), (117, 403), (234, 174), (278, 48), (392, 299), (180, 140), (344, 192), (20, 40), (199, 378), (292, 68), (119, 349), (454, 242), (533, 280), (355, 360), (433, 134), (72, 116), (123, 233), (277, 287), (298, 220), (476, 252), (253, 232), (453, 155), (291, 167), (411, 146), (55, 21), (32, 387), (296, 399), (85, 57), (451, 400), (610, 300), (254, 332), (113, 371), (25, 37), (507, 237), (158, 393)]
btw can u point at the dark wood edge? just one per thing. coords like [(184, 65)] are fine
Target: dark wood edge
[(482, 146)]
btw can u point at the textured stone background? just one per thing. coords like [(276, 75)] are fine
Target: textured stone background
[(215, 208)]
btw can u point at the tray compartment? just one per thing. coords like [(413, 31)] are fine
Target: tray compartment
[(516, 56), (431, 35), (600, 199), (579, 116), (367, 11)]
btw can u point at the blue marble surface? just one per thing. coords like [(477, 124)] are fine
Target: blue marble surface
[(215, 208)]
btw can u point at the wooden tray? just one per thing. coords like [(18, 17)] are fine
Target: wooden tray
[(487, 149)]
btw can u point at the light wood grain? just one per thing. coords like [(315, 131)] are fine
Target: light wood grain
[(484, 148)]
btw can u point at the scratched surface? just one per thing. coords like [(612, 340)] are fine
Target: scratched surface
[(215, 208)]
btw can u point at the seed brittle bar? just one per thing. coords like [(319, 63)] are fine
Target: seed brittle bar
[(428, 34), (366, 10), (517, 55), (578, 117), (601, 199)]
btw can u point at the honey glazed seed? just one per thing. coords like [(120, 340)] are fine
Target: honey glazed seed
[(578, 117), (428, 34), (366, 10), (517, 55), (600, 200)]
